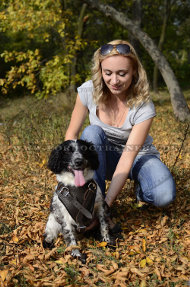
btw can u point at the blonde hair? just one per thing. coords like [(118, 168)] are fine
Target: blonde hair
[(138, 91)]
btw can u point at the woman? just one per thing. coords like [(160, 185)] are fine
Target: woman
[(121, 113)]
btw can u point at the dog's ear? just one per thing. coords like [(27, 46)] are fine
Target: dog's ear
[(93, 156), (56, 162)]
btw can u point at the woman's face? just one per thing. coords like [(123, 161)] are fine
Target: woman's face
[(117, 72)]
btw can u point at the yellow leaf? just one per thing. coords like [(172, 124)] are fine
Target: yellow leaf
[(60, 261), (2, 81), (144, 245), (42, 163), (3, 274), (13, 262), (149, 261), (143, 283), (142, 231), (15, 238), (116, 254), (143, 263), (102, 244)]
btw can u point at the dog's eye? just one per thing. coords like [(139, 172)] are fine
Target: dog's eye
[(70, 149), (83, 149)]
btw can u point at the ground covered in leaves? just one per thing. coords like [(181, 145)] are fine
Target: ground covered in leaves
[(155, 248)]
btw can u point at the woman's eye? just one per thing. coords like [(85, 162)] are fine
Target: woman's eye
[(108, 74), (122, 74)]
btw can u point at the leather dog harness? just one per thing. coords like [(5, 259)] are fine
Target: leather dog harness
[(79, 201)]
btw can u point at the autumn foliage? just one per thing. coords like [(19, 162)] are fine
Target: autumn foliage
[(154, 250)]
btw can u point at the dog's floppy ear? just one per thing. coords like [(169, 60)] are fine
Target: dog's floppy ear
[(93, 156), (56, 162)]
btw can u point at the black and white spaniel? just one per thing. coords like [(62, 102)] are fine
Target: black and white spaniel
[(77, 198)]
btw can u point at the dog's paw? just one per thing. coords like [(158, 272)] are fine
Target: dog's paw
[(77, 254), (83, 258), (111, 241)]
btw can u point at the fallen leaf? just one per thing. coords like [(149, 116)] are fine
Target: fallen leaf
[(115, 265), (143, 283), (163, 221), (136, 271), (149, 261), (144, 245), (60, 261), (3, 274), (102, 244), (158, 273), (116, 254), (28, 258), (143, 263), (107, 272), (15, 238)]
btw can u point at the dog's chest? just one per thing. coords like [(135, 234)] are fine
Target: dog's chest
[(60, 212), (79, 201)]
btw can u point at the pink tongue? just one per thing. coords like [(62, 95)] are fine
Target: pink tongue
[(79, 178)]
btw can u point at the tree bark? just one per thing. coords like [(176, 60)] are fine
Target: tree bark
[(74, 61), (137, 19), (161, 42), (180, 107)]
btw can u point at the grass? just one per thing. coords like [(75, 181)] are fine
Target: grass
[(29, 130)]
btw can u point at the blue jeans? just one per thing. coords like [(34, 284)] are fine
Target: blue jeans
[(153, 180)]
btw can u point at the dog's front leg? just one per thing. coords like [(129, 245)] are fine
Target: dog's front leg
[(104, 229), (69, 236), (51, 231)]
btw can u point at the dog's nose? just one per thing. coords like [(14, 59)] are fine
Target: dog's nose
[(78, 162)]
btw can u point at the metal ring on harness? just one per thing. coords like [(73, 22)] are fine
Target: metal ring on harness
[(64, 191), (92, 186)]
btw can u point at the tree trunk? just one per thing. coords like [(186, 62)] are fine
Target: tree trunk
[(179, 104), (74, 61), (137, 19), (161, 42)]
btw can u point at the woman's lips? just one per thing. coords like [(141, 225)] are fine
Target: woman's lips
[(115, 87)]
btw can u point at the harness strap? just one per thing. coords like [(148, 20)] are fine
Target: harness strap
[(65, 195), (79, 201)]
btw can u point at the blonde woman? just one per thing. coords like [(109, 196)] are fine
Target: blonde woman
[(121, 112)]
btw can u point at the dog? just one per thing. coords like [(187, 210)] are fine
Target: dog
[(77, 198)]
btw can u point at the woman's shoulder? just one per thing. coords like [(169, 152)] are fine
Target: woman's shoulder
[(85, 92), (143, 106), (86, 85), (142, 112)]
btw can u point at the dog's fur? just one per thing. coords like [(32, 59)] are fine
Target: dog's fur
[(72, 155)]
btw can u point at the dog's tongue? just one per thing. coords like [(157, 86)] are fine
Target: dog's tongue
[(79, 178)]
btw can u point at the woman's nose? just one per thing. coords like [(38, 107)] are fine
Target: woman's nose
[(114, 79)]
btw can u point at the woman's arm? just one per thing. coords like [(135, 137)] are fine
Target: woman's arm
[(135, 141), (77, 119)]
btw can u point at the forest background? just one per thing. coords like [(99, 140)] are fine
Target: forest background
[(45, 54)]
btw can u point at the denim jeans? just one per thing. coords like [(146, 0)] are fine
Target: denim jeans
[(153, 180)]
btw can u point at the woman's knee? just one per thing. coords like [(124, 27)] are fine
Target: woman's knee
[(94, 134), (156, 182), (165, 193)]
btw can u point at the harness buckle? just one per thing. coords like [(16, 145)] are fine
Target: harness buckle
[(92, 186), (64, 191)]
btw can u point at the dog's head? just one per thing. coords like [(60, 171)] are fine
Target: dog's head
[(73, 156)]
